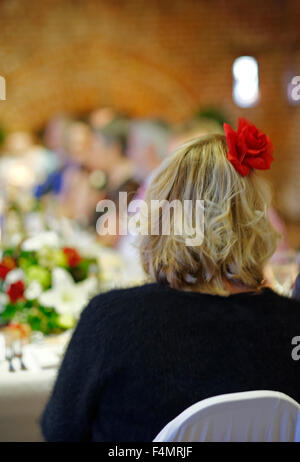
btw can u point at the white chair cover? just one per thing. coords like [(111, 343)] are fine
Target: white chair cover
[(241, 417)]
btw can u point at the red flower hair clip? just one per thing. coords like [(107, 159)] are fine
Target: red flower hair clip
[(248, 147)]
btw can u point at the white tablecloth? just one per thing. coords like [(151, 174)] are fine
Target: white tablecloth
[(23, 394)]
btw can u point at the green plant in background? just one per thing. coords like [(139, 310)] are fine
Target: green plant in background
[(212, 113)]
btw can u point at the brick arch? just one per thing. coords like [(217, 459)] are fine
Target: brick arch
[(47, 83)]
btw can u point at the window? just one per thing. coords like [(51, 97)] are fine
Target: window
[(245, 81)]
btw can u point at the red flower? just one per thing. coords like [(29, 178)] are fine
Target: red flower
[(6, 265), (4, 270), (248, 147), (73, 257), (16, 291)]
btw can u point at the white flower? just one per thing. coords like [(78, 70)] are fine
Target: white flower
[(66, 296), (45, 239), (13, 276), (3, 301), (33, 291)]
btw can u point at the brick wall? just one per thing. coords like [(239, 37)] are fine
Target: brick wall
[(159, 58)]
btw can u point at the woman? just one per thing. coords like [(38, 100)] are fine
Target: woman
[(205, 326)]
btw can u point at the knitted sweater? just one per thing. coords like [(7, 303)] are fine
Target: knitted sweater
[(140, 356)]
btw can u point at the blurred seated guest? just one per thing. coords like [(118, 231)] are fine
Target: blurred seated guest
[(24, 162), (78, 141), (101, 117), (79, 196), (279, 225), (147, 146), (53, 137), (205, 326), (109, 155), (109, 152), (129, 188), (55, 132)]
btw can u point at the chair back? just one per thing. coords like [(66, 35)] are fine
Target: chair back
[(261, 415)]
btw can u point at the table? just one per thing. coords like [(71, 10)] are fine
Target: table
[(24, 394)]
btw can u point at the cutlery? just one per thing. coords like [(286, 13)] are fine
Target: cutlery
[(9, 355)]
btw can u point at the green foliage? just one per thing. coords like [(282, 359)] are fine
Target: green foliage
[(40, 318), (37, 266)]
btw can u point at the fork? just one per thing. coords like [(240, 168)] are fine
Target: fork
[(9, 356), (18, 353)]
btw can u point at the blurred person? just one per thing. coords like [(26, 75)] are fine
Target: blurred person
[(24, 164), (55, 132), (78, 141), (24, 161), (79, 197), (101, 117), (73, 190), (205, 325), (53, 137), (279, 224), (109, 152), (109, 155), (147, 147)]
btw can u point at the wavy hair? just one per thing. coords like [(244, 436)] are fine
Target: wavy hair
[(238, 237)]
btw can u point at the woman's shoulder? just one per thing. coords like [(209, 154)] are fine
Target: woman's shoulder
[(274, 304), (120, 312), (151, 298), (287, 302), (124, 299), (127, 293)]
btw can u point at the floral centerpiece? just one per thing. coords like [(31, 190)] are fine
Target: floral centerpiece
[(45, 286)]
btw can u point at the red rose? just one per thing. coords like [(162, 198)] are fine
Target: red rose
[(6, 265), (3, 271), (16, 291), (248, 147), (73, 257)]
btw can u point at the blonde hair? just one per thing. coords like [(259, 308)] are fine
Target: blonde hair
[(238, 237)]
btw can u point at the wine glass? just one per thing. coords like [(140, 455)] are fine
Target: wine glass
[(283, 270)]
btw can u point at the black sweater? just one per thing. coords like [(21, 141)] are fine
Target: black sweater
[(140, 356)]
